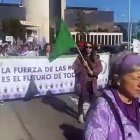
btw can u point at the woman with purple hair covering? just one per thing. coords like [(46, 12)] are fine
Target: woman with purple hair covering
[(115, 115)]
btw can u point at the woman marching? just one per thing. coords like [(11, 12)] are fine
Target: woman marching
[(87, 69), (115, 115)]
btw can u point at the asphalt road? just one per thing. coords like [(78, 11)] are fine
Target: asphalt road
[(44, 118)]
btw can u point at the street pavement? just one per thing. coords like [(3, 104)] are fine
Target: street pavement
[(43, 118)]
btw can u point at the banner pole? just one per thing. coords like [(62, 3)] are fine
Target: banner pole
[(82, 57)]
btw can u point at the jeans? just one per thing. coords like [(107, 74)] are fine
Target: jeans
[(83, 96)]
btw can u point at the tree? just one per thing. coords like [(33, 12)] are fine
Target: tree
[(138, 30), (13, 27), (124, 31), (81, 24), (138, 35)]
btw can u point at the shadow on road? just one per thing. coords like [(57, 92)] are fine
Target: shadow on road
[(72, 133), (59, 105)]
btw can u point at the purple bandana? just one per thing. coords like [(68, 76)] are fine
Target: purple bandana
[(130, 111)]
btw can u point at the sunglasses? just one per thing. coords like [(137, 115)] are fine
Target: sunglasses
[(88, 47)]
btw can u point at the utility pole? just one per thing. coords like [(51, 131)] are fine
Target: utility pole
[(21, 2), (129, 24)]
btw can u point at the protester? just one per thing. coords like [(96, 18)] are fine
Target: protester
[(115, 115), (99, 48), (86, 74), (46, 50), (29, 51), (81, 44), (3, 50), (25, 50)]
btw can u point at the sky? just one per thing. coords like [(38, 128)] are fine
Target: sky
[(120, 7), (10, 1)]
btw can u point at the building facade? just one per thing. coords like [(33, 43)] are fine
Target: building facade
[(46, 14), (95, 19), (100, 38), (12, 11), (134, 27), (100, 25), (40, 17)]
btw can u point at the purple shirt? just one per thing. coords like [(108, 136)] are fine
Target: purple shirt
[(129, 110)]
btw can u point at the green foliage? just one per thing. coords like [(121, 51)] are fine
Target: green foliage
[(81, 24), (13, 27), (124, 31), (138, 35)]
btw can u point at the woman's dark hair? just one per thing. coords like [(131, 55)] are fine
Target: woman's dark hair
[(84, 53), (43, 51), (46, 45)]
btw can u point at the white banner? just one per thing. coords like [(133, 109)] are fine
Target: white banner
[(103, 76), (19, 76), (0, 42), (136, 46)]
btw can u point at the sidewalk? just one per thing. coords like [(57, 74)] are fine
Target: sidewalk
[(52, 118)]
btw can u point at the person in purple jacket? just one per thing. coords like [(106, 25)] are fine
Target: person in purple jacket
[(115, 115)]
